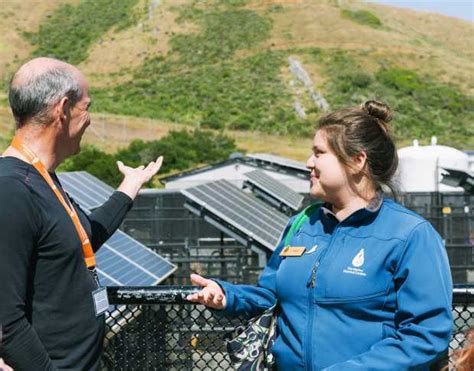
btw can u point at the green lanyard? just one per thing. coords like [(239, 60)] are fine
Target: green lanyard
[(298, 222)]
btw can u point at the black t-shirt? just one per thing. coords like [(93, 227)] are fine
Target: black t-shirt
[(46, 308)]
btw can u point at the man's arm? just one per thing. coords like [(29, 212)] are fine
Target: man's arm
[(106, 219), (20, 222)]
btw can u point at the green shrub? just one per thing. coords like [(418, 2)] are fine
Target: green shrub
[(363, 17), (406, 81), (96, 162), (69, 32), (423, 106), (181, 150), (243, 94), (223, 33), (235, 3)]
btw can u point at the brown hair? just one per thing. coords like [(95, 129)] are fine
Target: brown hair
[(353, 130)]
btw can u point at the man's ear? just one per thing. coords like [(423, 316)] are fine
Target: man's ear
[(63, 109), (359, 162)]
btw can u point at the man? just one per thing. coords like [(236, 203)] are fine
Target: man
[(48, 285)]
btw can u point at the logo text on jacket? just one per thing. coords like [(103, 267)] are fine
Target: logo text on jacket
[(357, 263)]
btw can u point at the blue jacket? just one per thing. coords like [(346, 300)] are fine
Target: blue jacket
[(371, 292)]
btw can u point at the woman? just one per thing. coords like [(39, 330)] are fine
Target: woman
[(372, 289)]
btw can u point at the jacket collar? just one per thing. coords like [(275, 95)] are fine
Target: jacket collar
[(371, 209)]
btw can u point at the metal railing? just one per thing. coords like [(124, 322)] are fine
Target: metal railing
[(155, 328)]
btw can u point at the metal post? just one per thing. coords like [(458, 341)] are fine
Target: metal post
[(222, 256)]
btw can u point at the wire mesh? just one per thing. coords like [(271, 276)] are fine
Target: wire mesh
[(191, 337), (167, 337)]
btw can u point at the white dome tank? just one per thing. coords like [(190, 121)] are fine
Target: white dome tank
[(420, 167)]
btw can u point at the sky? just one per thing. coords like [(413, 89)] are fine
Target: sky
[(456, 8)]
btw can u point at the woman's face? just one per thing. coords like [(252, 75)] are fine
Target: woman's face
[(328, 176)]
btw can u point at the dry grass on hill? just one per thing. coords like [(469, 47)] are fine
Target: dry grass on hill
[(426, 42), (18, 17), (127, 49)]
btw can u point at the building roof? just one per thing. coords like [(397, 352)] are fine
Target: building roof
[(257, 160)]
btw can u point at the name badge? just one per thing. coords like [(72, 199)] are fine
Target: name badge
[(101, 301), (293, 251)]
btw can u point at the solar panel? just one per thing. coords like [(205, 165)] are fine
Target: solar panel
[(85, 189), (240, 211), (121, 261), (275, 189), (124, 261), (282, 161)]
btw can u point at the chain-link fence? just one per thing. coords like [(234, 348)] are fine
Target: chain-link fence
[(154, 328), (160, 221)]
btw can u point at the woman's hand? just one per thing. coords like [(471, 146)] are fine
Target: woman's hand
[(211, 294), (134, 178)]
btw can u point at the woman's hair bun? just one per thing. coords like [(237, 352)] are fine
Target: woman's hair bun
[(378, 110)]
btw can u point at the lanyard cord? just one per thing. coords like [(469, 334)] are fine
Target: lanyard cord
[(37, 164), (298, 222)]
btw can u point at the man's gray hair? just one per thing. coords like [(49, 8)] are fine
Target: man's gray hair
[(32, 100)]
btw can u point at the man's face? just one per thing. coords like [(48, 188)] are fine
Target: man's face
[(79, 118)]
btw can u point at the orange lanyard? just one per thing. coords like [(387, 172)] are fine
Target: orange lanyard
[(34, 161)]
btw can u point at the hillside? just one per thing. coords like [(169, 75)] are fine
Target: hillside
[(224, 65)]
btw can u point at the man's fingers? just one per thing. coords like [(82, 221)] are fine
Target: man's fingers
[(149, 166), (158, 163), (153, 167)]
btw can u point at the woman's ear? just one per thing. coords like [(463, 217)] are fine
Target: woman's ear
[(359, 162)]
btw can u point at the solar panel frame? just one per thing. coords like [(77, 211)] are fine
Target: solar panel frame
[(274, 188), (246, 213)]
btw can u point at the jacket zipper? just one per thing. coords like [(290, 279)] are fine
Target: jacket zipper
[(312, 284)]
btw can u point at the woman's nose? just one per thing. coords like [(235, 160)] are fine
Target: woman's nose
[(310, 162)]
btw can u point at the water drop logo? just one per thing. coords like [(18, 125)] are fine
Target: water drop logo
[(358, 260)]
